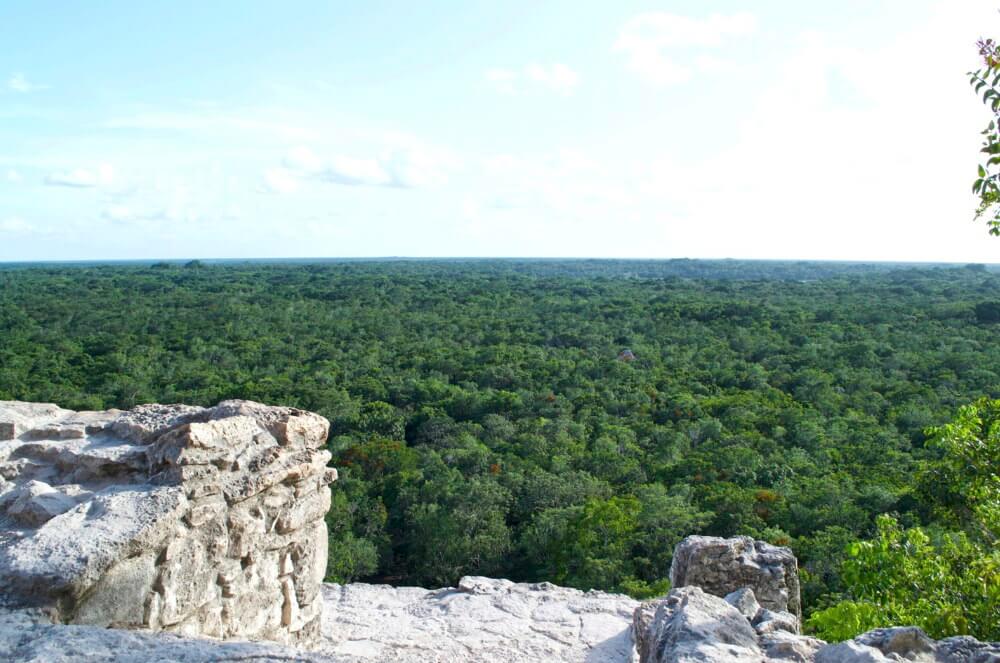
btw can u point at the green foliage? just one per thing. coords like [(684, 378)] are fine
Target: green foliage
[(481, 421), (964, 484), (900, 577), (845, 620), (986, 81), (947, 586)]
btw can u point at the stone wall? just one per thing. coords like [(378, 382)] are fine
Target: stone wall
[(167, 517)]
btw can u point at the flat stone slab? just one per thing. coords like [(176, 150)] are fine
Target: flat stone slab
[(483, 620)]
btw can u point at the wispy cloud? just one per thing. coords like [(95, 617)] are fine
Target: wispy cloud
[(556, 77), (280, 180), (402, 166), (18, 82), (14, 176), (208, 120), (658, 45), (504, 80), (15, 225), (100, 175)]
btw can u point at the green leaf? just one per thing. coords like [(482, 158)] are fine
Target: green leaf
[(982, 171)]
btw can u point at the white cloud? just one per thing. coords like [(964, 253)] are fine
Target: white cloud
[(658, 45), (14, 176), (213, 121), (504, 80), (823, 164), (18, 82), (118, 212), (280, 180), (154, 216), (353, 171), (100, 175), (303, 159), (15, 225), (556, 77), (403, 163)]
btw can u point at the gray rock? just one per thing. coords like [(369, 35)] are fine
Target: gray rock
[(784, 646), (167, 517), (744, 601), (721, 566), (27, 640), (965, 649), (769, 621), (908, 642), (851, 652), (690, 625), (482, 620), (36, 502)]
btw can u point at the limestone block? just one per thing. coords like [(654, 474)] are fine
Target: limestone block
[(116, 594), (199, 521), (36, 503), (721, 566), (744, 601), (769, 621), (690, 625), (784, 646)]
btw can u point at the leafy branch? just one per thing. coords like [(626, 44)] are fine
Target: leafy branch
[(987, 184)]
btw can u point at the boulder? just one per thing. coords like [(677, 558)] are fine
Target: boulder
[(965, 649), (197, 521), (850, 652), (908, 642), (689, 625), (769, 621), (721, 566), (785, 646)]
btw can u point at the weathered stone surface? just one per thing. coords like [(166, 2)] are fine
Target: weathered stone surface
[(36, 502), (37, 641), (744, 601), (721, 566), (963, 649), (908, 642), (482, 620), (769, 621), (199, 521), (850, 652), (784, 646), (690, 625)]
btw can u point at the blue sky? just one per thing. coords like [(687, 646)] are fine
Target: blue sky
[(771, 129)]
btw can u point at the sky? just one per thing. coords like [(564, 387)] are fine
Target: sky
[(771, 129)]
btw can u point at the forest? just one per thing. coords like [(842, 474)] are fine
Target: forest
[(571, 421)]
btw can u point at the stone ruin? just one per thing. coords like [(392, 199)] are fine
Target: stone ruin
[(720, 566), (737, 600), (202, 522)]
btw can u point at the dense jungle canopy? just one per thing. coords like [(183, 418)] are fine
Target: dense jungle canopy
[(486, 418)]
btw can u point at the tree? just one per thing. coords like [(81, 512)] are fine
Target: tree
[(964, 484), (947, 587), (987, 185), (948, 584)]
